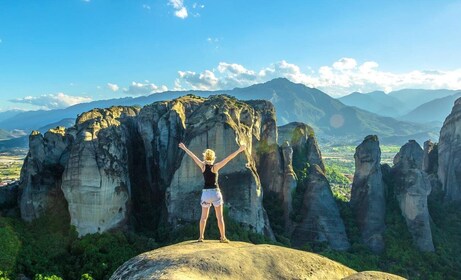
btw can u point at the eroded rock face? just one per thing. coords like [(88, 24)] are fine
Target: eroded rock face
[(222, 124), (319, 219), (368, 193), (95, 181), (412, 187), (40, 181), (449, 155)]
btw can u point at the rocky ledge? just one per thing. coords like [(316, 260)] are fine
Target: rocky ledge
[(236, 260)]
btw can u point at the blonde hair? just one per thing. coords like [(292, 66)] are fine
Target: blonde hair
[(209, 156)]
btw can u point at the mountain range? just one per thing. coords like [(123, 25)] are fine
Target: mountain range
[(332, 119), (413, 105)]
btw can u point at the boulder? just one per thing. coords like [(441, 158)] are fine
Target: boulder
[(236, 260), (449, 155), (368, 193), (412, 187)]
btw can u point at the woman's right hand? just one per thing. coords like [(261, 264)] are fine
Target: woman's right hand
[(182, 146)]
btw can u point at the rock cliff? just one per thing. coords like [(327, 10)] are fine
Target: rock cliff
[(41, 174), (237, 260), (122, 165), (318, 218), (368, 193), (449, 155), (412, 187)]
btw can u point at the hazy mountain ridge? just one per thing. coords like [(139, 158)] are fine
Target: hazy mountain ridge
[(293, 102), (377, 102), (401, 104), (439, 108)]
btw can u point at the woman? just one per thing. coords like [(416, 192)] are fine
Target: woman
[(211, 193)]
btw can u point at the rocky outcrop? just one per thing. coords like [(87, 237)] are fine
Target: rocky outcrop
[(412, 187), (430, 157), (449, 155), (95, 181), (41, 172), (222, 124), (368, 193), (236, 260), (122, 165), (318, 218)]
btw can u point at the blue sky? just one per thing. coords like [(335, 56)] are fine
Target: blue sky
[(56, 53)]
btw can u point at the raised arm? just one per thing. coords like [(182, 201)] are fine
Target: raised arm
[(222, 163), (193, 156)]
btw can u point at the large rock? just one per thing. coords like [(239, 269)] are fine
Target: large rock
[(40, 181), (368, 193), (95, 181), (236, 260), (318, 220), (412, 187), (222, 124), (449, 156)]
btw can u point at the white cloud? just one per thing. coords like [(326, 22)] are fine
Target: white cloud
[(145, 6), (144, 88), (113, 87), (345, 63), (52, 101), (180, 9), (341, 77)]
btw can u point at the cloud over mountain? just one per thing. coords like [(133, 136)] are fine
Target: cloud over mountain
[(139, 88), (342, 77), (52, 101)]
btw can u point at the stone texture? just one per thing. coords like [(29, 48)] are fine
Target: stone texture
[(43, 166), (319, 215), (368, 193), (430, 157), (95, 180), (222, 124), (321, 221), (236, 260), (412, 187), (449, 155)]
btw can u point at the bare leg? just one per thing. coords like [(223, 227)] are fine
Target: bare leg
[(220, 218), (205, 212)]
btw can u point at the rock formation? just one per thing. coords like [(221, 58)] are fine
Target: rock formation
[(222, 124), (368, 193), (449, 155), (42, 170), (123, 165), (318, 220), (412, 187), (237, 260), (95, 181), (430, 157)]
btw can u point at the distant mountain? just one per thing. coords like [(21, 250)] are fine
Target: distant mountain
[(433, 111), (376, 102), (329, 117), (22, 141), (396, 103), (417, 97), (8, 114), (293, 102)]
